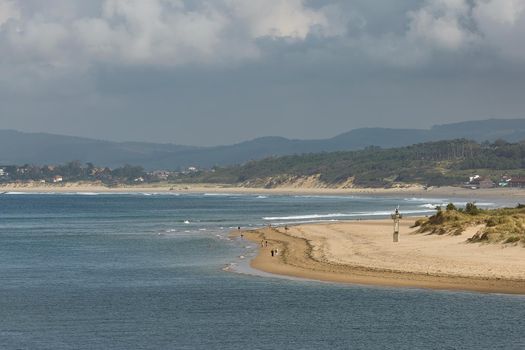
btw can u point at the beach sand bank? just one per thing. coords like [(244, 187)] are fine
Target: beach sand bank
[(362, 252), (512, 195)]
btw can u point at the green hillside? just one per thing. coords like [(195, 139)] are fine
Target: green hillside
[(433, 163)]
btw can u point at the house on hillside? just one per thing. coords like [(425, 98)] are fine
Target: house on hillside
[(6, 171), (474, 179), (517, 182), (477, 181), (504, 181), (57, 179)]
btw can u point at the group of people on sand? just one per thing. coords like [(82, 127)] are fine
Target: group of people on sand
[(264, 243), (273, 252)]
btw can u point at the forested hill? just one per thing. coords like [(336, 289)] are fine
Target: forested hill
[(432, 163)]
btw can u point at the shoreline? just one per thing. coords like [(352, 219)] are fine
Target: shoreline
[(413, 191), (311, 252)]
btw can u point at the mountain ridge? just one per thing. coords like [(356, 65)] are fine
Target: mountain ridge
[(44, 148)]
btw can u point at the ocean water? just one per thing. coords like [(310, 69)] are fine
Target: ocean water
[(147, 271)]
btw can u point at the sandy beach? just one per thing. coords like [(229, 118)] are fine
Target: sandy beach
[(512, 195), (362, 252)]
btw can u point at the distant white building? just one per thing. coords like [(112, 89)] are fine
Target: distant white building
[(2, 172), (474, 178), (57, 179)]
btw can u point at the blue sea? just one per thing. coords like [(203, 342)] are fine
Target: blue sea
[(158, 271)]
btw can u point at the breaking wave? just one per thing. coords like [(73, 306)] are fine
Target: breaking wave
[(343, 215)]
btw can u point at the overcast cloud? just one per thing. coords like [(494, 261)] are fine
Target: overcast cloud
[(210, 72)]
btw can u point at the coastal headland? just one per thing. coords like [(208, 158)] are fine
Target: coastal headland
[(362, 252)]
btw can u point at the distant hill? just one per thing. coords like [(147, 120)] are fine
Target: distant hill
[(436, 163), (40, 148)]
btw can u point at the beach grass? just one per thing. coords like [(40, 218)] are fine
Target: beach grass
[(502, 225)]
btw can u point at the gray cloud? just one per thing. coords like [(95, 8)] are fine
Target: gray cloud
[(158, 32), (177, 32), (163, 69)]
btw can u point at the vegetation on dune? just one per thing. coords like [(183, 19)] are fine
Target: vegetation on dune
[(433, 163), (504, 225)]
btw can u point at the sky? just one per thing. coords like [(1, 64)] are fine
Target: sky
[(209, 72)]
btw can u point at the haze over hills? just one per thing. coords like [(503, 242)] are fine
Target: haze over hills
[(40, 148)]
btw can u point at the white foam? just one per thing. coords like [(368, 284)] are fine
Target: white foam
[(218, 194), (342, 215), (15, 193), (430, 206), (330, 196), (299, 222), (427, 200), (304, 217)]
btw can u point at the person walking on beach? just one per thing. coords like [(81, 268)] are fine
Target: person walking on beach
[(266, 243), (272, 252)]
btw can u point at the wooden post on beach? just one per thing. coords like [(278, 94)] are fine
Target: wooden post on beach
[(396, 217)]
